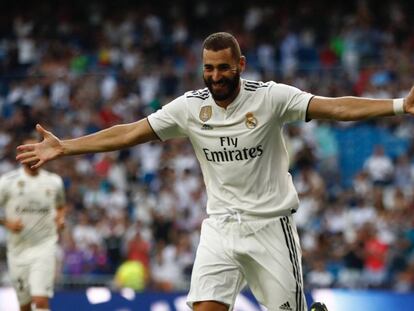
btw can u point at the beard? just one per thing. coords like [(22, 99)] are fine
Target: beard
[(228, 86)]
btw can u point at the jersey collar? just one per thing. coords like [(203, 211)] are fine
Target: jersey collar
[(236, 101)]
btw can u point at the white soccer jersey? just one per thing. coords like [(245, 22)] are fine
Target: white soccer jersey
[(240, 149), (33, 200)]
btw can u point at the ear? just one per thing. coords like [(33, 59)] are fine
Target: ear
[(242, 63)]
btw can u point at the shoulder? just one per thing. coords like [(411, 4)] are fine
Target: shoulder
[(188, 101), (277, 91), (7, 180), (10, 176), (52, 177), (254, 86), (285, 89), (197, 95)]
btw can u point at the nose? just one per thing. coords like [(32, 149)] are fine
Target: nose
[(216, 75)]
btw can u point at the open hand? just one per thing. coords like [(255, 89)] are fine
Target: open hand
[(37, 154), (409, 102)]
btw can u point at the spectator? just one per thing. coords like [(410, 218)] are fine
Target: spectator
[(73, 258), (84, 233), (319, 276), (138, 250), (77, 79), (166, 274), (375, 258), (379, 167), (350, 276)]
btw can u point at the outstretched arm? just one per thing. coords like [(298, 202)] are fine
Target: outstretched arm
[(14, 226), (356, 108), (113, 138), (60, 217)]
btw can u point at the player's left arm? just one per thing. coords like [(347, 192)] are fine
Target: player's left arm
[(2, 200), (60, 203), (350, 108), (60, 217), (14, 225)]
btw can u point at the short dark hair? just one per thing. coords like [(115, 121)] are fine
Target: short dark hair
[(221, 41)]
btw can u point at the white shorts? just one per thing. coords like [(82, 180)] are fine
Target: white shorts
[(263, 253), (33, 273)]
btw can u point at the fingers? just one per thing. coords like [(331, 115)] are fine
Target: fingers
[(411, 93), (45, 134), (40, 130), (38, 164), (25, 148), (31, 160), (25, 155)]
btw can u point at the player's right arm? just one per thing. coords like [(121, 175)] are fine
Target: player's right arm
[(113, 138), (350, 108), (13, 226)]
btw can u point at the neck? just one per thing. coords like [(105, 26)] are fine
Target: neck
[(224, 103), (29, 171)]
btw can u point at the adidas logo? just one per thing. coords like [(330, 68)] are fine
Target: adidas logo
[(285, 306), (206, 127)]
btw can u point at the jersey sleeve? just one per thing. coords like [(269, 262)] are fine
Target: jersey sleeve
[(171, 120), (2, 192), (60, 193), (289, 103), (3, 198)]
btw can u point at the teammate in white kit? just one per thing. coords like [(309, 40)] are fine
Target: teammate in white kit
[(235, 127), (33, 205)]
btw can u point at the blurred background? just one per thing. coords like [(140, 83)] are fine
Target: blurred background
[(134, 216)]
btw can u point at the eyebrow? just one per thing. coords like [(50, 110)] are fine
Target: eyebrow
[(219, 66)]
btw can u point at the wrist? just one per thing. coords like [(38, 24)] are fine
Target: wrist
[(64, 150), (398, 106)]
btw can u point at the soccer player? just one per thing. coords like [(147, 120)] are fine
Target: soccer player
[(33, 203), (235, 127)]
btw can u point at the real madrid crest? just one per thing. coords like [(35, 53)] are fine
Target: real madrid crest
[(251, 121), (205, 113)]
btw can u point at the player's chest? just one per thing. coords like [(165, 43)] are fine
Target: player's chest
[(234, 127), (23, 190)]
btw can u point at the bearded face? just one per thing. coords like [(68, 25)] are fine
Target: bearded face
[(221, 74), (224, 88)]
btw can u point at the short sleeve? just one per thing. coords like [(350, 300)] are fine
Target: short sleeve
[(290, 103), (60, 193), (2, 192), (171, 120), (2, 198)]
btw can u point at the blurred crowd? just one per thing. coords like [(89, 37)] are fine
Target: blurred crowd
[(82, 67)]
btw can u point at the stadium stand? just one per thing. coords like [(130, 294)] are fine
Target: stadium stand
[(82, 67)]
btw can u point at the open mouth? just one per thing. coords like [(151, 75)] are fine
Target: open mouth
[(219, 85)]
